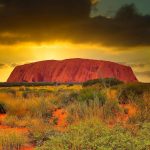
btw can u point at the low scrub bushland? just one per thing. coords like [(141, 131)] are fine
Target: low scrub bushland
[(86, 109), (129, 93), (111, 109), (11, 139), (143, 113), (92, 104), (39, 130), (93, 135), (91, 94)]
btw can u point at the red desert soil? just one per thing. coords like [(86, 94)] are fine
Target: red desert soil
[(59, 117), (2, 117), (27, 148), (22, 130), (132, 109), (71, 70)]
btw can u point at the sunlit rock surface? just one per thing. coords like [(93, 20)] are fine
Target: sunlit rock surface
[(71, 70)]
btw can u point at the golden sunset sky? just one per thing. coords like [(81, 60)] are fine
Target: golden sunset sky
[(137, 58), (44, 32)]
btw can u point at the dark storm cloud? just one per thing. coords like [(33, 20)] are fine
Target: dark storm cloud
[(40, 19), (48, 20)]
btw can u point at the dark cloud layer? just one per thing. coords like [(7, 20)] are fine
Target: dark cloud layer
[(35, 11), (48, 20)]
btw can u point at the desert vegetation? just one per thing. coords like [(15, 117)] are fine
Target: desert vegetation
[(12, 139), (97, 115)]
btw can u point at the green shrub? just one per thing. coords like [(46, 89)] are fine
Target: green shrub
[(105, 82), (111, 109), (132, 92), (90, 94), (28, 93), (83, 136), (92, 135), (121, 139), (67, 98), (10, 91), (86, 95), (143, 136), (13, 84)]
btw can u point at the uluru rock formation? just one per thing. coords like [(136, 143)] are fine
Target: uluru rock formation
[(71, 71)]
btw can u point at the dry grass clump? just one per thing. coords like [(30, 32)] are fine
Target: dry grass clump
[(82, 111), (37, 107), (11, 139), (143, 105), (14, 121), (39, 130)]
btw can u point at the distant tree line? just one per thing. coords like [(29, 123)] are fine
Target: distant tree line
[(12, 84), (105, 81)]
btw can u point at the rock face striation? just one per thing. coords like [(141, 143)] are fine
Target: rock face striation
[(71, 71)]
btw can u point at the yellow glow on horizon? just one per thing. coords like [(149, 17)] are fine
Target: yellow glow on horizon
[(21, 53), (5, 72), (56, 45), (30, 51)]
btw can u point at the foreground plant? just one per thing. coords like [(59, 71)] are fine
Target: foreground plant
[(93, 135), (11, 139)]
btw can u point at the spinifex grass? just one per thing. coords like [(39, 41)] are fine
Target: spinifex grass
[(11, 139)]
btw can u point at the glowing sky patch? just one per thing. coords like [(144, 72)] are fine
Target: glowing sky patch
[(30, 52)]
